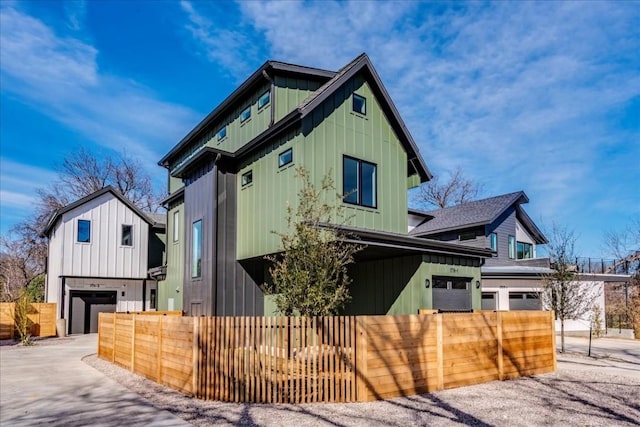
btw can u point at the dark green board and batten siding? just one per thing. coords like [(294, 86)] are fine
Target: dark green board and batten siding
[(332, 131), (170, 290)]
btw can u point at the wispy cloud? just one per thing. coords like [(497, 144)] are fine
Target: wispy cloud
[(59, 76)]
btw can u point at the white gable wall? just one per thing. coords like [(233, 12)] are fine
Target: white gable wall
[(523, 236), (104, 256)]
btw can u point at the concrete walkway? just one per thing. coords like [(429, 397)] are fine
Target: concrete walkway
[(49, 384)]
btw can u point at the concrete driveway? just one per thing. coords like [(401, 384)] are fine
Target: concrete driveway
[(49, 384)]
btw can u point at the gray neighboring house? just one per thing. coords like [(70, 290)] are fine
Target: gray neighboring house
[(101, 252), (512, 277)]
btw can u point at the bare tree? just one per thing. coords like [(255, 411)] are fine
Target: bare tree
[(457, 190), (562, 292), (23, 250)]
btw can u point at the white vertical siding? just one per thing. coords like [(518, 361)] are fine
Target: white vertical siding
[(104, 256), (523, 236)]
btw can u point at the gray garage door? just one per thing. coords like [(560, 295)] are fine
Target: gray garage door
[(451, 293), (524, 301), (488, 300)]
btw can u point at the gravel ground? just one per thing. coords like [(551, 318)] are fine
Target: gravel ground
[(564, 398)]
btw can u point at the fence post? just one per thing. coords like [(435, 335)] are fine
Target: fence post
[(361, 359), (552, 319), (440, 350), (500, 354), (133, 342)]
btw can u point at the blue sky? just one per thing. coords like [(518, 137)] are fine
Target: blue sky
[(536, 96)]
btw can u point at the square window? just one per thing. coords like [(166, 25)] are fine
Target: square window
[(264, 99), (359, 182), (247, 178), (127, 235), (245, 115), (493, 241), (222, 133), (285, 158), (84, 231), (196, 249), (359, 104)]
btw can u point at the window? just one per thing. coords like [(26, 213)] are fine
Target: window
[(247, 178), (245, 115), (127, 235), (470, 235), (459, 283), (359, 104), (152, 299), (493, 241), (512, 247), (525, 250), (222, 133), (359, 182), (285, 158), (176, 226), (196, 249), (264, 99), (84, 231)]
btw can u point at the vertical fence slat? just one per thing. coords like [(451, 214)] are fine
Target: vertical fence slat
[(499, 340)]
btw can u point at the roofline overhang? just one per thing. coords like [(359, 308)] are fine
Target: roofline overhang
[(444, 230), (526, 220)]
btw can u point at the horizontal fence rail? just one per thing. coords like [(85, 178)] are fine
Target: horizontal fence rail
[(328, 359), (42, 320)]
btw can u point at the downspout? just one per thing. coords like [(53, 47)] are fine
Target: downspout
[(214, 266), (144, 294), (272, 94)]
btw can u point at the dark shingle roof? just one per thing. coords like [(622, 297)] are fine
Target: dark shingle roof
[(470, 214)]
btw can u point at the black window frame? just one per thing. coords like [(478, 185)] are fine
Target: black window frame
[(468, 235), (249, 175), (266, 94), (493, 238), (122, 242), (222, 133), (358, 190), (364, 104), (88, 222), (283, 164), (247, 110), (196, 264), (525, 246)]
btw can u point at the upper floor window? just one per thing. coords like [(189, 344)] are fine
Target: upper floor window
[(196, 249), (512, 247), (176, 226), (470, 235), (84, 231), (359, 182), (247, 178), (525, 250), (264, 99), (285, 158), (127, 235), (222, 133), (359, 104), (245, 115), (493, 241)]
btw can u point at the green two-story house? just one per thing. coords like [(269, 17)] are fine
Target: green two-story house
[(232, 177)]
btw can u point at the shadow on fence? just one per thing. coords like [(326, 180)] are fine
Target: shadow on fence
[(327, 359), (41, 320)]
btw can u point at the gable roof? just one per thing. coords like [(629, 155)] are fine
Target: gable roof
[(363, 64), (477, 213), (108, 189)]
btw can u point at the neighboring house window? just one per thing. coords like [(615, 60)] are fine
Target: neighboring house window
[(196, 249), (245, 115), (247, 178), (525, 250), (84, 231), (493, 241), (285, 158), (152, 299), (264, 99), (470, 235), (222, 133), (512, 247), (127, 235), (359, 182), (176, 226), (359, 104)]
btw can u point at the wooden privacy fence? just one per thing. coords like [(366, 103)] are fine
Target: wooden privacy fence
[(328, 359), (42, 320)]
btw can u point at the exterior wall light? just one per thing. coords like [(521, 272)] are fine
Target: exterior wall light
[(427, 283), (477, 284)]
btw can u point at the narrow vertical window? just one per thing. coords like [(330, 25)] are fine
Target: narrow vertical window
[(493, 241), (152, 299), (285, 158), (176, 226), (512, 247), (350, 180), (127, 235), (84, 231), (245, 115), (359, 104), (196, 249), (264, 99)]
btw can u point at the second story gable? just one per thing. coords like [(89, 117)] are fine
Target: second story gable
[(498, 223)]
